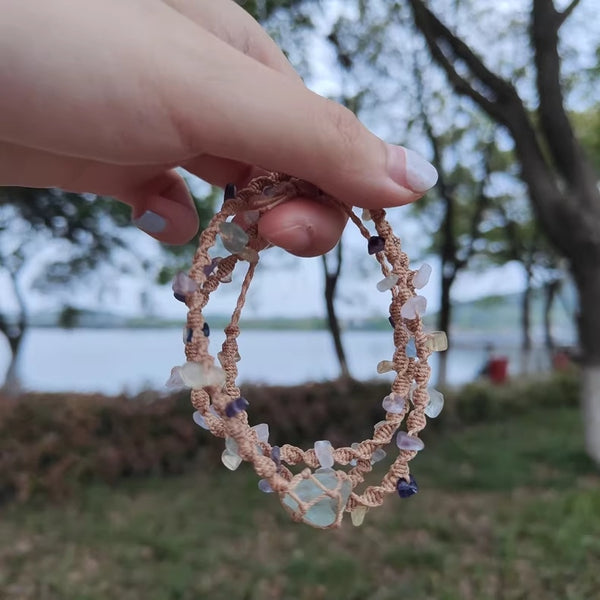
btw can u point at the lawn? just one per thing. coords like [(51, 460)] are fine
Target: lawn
[(507, 510)]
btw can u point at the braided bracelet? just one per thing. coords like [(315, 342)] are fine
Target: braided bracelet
[(317, 494)]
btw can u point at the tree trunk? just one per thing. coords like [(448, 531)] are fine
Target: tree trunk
[(12, 381), (444, 320), (587, 277), (526, 314), (550, 290), (333, 324)]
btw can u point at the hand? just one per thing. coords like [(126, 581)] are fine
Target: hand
[(108, 96)]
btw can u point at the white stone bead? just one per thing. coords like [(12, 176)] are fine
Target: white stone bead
[(324, 452), (387, 283), (366, 215), (385, 366), (409, 442), (436, 403), (378, 455), (262, 432), (175, 381), (414, 307), (196, 375), (200, 420), (436, 341), (230, 460), (421, 277)]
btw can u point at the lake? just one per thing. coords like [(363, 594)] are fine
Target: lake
[(112, 361)]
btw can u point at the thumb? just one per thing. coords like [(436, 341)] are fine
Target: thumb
[(260, 117)]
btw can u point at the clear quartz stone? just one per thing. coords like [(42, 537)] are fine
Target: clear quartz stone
[(436, 341), (414, 307), (249, 254), (324, 512), (231, 445), (358, 515), (387, 283), (200, 420), (436, 403), (175, 381), (421, 277), (221, 357), (324, 452), (262, 432), (409, 442), (378, 455), (411, 348), (394, 403), (234, 238), (230, 460), (366, 214), (195, 375)]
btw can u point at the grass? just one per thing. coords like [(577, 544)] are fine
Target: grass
[(506, 511)]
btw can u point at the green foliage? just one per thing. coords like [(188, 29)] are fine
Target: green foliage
[(52, 443), (499, 515)]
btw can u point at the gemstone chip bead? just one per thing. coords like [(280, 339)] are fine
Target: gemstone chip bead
[(409, 442), (324, 453), (375, 244), (435, 405), (183, 286), (358, 515), (394, 403), (421, 277), (385, 366), (414, 307), (436, 341), (405, 488), (387, 283), (234, 238), (236, 406)]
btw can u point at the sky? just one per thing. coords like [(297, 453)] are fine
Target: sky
[(289, 286)]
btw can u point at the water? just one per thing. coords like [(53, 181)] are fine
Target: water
[(112, 361)]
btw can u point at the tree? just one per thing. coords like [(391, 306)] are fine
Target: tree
[(561, 181), (48, 240)]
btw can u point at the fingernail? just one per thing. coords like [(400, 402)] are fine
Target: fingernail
[(150, 222), (297, 238), (419, 175)]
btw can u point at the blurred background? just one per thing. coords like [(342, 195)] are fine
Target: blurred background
[(108, 488)]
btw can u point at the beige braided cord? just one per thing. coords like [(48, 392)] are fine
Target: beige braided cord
[(337, 488)]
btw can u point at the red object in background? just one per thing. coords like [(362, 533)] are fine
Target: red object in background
[(498, 369), (561, 361)]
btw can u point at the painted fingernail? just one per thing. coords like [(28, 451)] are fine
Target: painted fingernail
[(419, 175), (150, 222), (297, 238)]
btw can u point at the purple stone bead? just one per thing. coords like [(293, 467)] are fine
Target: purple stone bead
[(392, 322), (276, 456), (405, 488), (214, 263), (188, 335), (206, 329), (409, 442), (230, 191), (236, 406), (265, 486), (375, 244), (183, 286)]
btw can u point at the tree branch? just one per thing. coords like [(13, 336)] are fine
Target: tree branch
[(498, 97), (555, 124), (565, 14)]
